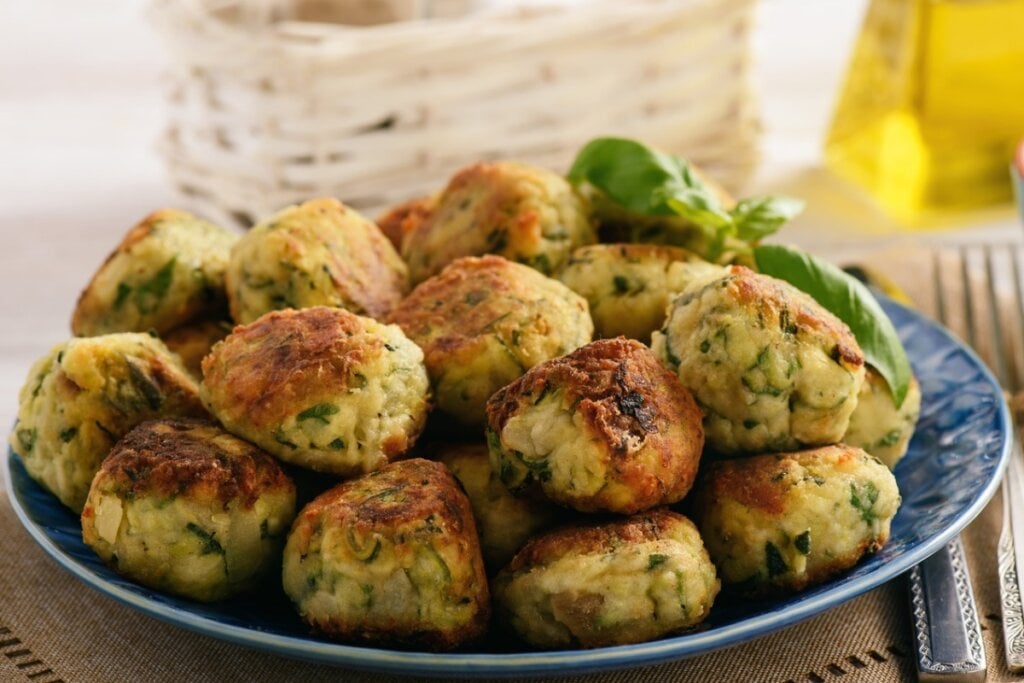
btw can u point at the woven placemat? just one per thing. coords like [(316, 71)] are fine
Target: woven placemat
[(53, 628)]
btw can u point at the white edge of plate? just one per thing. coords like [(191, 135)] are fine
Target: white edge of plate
[(557, 661)]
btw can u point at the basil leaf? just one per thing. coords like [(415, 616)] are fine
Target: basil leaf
[(848, 300), (643, 180), (757, 217)]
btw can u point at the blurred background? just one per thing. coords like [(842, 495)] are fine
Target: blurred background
[(84, 112)]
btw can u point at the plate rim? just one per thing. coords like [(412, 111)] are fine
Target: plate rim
[(553, 661)]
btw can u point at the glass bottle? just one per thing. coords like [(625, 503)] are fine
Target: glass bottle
[(932, 105)]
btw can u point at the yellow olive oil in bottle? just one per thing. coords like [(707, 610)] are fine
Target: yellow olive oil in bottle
[(932, 105)]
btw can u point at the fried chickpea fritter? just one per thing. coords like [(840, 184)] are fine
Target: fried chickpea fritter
[(782, 522), (611, 583), (320, 253), (182, 506), (390, 558), (321, 388), (877, 425), (86, 394), (167, 270), (483, 322), (193, 341), (605, 428), (505, 522), (524, 213), (771, 368), (629, 286), (400, 220)]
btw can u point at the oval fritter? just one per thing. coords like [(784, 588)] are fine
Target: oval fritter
[(611, 583), (629, 286), (192, 342), (390, 558), (322, 388), (504, 521), (605, 428), (182, 506), (483, 322), (320, 253), (877, 425), (401, 219), (86, 394), (166, 271), (524, 213), (770, 367), (781, 522)]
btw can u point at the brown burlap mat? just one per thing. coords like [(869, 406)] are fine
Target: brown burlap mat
[(54, 628)]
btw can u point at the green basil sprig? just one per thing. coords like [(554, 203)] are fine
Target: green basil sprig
[(652, 183), (848, 300)]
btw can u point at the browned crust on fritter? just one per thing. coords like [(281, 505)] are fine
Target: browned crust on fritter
[(193, 341), (265, 368), (464, 302), (770, 297), (371, 283), (400, 220), (763, 481), (594, 537), (138, 233), (629, 401), (172, 457), (403, 501)]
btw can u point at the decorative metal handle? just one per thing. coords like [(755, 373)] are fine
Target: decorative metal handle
[(1010, 551), (947, 633)]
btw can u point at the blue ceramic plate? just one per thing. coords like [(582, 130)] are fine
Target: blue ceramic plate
[(950, 472)]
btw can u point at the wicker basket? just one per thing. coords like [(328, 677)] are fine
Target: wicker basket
[(266, 110)]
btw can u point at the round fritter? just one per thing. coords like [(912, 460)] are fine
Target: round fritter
[(771, 368), (320, 253), (86, 394), (322, 388), (877, 425), (629, 286), (524, 213), (166, 271), (391, 557), (400, 220), (612, 583), (781, 522), (605, 428), (505, 521), (193, 341), (184, 507), (483, 322)]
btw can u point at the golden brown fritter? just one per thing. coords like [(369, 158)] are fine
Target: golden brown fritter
[(183, 506), (771, 368), (629, 286), (87, 393), (167, 270), (390, 558), (193, 341), (322, 388), (483, 322), (608, 583), (504, 521), (400, 220), (781, 522), (526, 214), (605, 428), (319, 253)]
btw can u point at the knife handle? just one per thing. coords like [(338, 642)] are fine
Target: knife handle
[(947, 633)]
